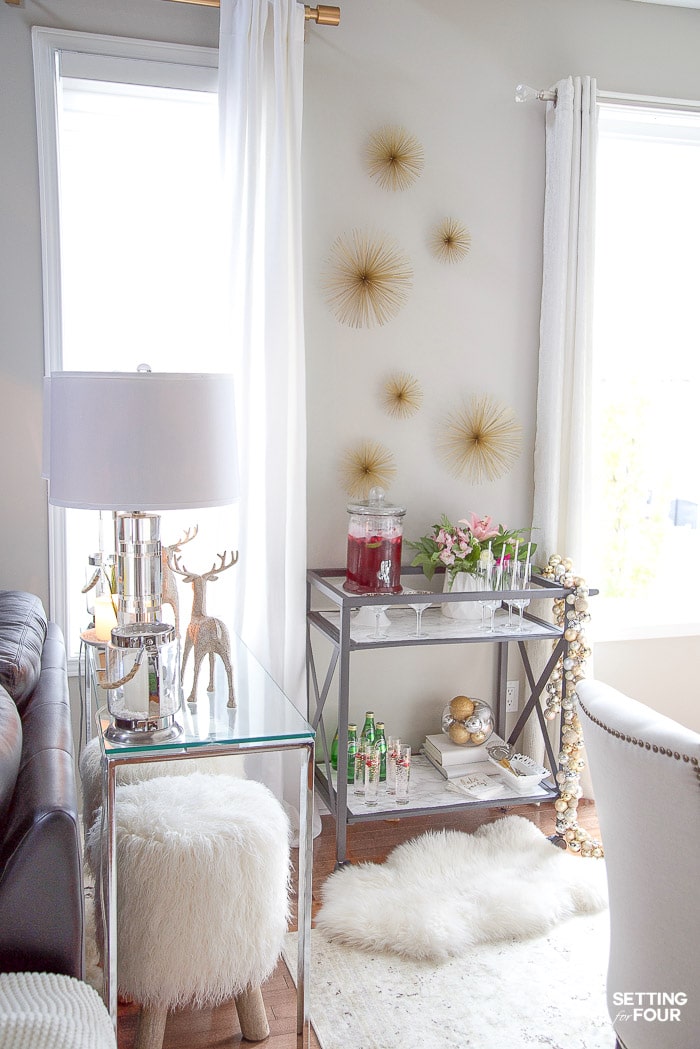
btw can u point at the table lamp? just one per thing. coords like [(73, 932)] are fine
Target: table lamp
[(139, 443)]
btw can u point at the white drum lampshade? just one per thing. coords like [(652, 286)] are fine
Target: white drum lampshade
[(140, 440), (137, 444)]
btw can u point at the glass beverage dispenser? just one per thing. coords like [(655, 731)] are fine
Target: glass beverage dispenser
[(375, 534)]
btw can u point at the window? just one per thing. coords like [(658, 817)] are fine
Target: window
[(646, 479), (129, 161)]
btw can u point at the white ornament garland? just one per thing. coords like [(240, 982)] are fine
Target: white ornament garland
[(571, 614)]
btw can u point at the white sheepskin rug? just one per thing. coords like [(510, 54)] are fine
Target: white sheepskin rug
[(445, 891), (203, 887)]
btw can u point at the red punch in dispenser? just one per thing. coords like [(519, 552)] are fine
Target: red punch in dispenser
[(375, 534)]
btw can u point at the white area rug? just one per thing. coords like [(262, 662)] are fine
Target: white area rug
[(490, 940), (439, 894), (547, 992)]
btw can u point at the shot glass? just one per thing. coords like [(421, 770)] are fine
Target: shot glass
[(373, 762), (392, 752), (403, 775)]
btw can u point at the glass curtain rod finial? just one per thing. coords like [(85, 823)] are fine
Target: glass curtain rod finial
[(524, 93)]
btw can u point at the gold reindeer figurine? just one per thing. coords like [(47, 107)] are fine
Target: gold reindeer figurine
[(206, 635), (169, 586)]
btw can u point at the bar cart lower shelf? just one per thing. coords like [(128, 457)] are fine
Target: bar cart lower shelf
[(333, 613), (430, 794)]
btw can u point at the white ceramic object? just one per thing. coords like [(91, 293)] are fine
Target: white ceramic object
[(463, 583), (531, 773)]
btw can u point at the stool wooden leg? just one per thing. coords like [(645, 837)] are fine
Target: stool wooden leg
[(151, 1028), (251, 1015)]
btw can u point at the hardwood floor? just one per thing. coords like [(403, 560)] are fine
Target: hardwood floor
[(371, 841)]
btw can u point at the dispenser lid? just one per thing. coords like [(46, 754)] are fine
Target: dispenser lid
[(376, 505)]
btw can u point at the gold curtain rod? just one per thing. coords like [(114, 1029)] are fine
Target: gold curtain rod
[(322, 15)]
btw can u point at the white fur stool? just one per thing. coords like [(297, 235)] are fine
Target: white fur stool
[(202, 896), (91, 773), (52, 1011)]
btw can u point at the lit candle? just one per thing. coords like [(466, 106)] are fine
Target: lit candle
[(136, 690), (105, 618)]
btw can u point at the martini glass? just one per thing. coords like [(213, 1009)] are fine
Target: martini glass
[(419, 608)]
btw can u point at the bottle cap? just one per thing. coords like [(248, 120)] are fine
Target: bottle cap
[(352, 728), (369, 714), (380, 724)]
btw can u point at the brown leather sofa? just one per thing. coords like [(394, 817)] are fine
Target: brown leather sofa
[(41, 895)]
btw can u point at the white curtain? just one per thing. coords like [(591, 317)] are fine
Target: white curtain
[(261, 61), (562, 445), (261, 53), (563, 439)]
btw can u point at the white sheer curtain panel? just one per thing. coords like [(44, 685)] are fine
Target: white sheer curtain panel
[(261, 54), (562, 443), (261, 61)]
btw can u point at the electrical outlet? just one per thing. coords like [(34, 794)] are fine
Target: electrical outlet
[(512, 688)]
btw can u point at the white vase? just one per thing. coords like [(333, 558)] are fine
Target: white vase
[(463, 583)]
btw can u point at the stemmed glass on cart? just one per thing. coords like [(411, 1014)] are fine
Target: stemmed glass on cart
[(419, 608), (492, 574), (522, 574)]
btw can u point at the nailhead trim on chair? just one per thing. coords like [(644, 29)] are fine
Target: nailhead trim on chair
[(695, 762)]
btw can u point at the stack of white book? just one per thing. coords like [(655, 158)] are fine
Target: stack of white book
[(452, 760)]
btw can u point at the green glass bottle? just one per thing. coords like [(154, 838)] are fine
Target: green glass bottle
[(380, 744), (334, 752), (352, 752), (369, 730)]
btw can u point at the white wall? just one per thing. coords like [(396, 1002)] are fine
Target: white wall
[(446, 70)]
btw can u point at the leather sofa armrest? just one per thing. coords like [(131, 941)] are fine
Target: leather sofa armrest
[(41, 884)]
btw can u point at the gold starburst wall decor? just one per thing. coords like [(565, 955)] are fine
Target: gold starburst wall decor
[(395, 158), (482, 440), (402, 395), (366, 466), (450, 241), (368, 280)]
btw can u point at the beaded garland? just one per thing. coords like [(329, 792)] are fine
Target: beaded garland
[(571, 614)]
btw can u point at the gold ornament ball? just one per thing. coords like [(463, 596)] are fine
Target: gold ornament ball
[(461, 707), (478, 738), (458, 733)]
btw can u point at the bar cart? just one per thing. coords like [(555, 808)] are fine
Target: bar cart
[(333, 613)]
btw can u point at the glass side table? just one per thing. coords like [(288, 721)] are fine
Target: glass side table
[(264, 720)]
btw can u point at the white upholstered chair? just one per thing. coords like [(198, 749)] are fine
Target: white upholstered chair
[(645, 770)]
